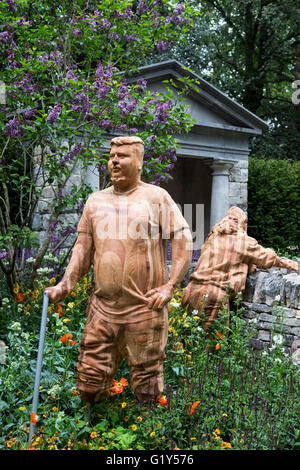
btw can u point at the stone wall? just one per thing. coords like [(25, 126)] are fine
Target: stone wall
[(238, 182), (271, 301)]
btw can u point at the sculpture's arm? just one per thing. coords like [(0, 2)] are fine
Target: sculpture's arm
[(81, 260), (266, 258), (181, 259)]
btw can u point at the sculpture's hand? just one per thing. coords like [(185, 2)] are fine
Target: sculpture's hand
[(294, 266), (160, 296), (191, 296), (57, 293)]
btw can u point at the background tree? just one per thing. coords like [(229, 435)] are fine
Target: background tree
[(65, 65), (250, 50)]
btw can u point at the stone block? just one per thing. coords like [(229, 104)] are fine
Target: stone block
[(264, 335)]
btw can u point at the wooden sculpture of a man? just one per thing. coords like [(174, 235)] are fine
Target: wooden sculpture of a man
[(123, 232), (227, 256)]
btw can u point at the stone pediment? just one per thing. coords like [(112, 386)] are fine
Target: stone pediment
[(212, 110)]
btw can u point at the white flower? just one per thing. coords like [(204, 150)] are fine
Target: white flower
[(278, 339), (175, 304), (16, 326), (277, 298), (30, 260)]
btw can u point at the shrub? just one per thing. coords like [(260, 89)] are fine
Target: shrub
[(274, 203)]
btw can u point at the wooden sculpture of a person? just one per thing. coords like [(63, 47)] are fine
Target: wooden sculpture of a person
[(123, 232), (227, 256)]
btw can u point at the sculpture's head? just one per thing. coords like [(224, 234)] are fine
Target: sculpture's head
[(238, 216), (234, 221), (125, 162)]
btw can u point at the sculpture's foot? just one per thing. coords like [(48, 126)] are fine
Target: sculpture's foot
[(93, 397)]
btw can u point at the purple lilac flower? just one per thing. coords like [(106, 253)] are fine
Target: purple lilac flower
[(162, 45), (106, 24), (4, 37), (114, 36), (121, 128), (54, 237), (53, 225), (133, 131), (74, 152), (56, 57), (12, 4), (122, 92), (162, 113), (102, 77), (126, 106), (81, 103), (104, 124), (70, 75), (130, 37), (43, 58), (77, 32), (4, 254), (13, 128), (142, 84), (141, 8), (29, 113), (178, 9), (53, 114)]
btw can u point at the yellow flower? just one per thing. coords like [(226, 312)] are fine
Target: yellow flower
[(22, 408), (225, 415), (126, 419), (94, 434), (9, 443), (71, 304), (217, 431), (52, 281), (134, 427), (101, 448), (16, 291), (123, 404), (193, 438), (152, 434), (226, 445), (54, 409), (140, 419)]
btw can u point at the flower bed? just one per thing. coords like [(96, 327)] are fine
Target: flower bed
[(219, 393)]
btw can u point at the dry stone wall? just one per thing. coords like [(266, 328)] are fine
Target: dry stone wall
[(271, 302)]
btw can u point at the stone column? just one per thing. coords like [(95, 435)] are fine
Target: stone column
[(219, 190)]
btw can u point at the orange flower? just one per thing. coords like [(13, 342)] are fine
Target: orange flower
[(217, 346), (219, 334), (33, 418), (118, 387), (30, 448), (67, 339), (163, 400), (193, 407), (59, 310), (20, 297)]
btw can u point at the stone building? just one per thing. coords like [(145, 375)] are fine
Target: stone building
[(211, 171)]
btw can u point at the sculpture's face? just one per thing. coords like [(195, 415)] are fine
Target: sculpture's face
[(124, 166)]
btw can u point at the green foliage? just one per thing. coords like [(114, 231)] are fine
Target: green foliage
[(274, 204), (249, 49), (219, 393)]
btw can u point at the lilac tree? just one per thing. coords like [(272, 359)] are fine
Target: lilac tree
[(65, 67)]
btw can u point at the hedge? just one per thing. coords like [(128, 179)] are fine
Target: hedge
[(274, 204)]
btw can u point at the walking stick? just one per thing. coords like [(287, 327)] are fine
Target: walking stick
[(39, 364)]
